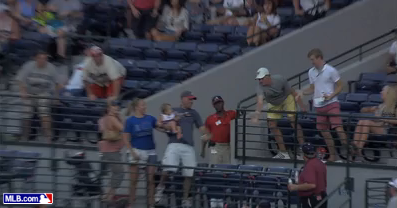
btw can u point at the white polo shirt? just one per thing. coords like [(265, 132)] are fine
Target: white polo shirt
[(324, 83), (310, 4), (393, 50)]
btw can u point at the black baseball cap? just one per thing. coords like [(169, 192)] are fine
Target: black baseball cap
[(308, 149), (264, 204), (216, 99), (188, 94)]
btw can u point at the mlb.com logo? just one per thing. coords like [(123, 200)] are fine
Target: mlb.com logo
[(27, 198)]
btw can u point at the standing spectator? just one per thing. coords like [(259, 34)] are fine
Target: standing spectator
[(9, 29), (312, 186), (311, 10), (144, 16), (218, 125), (392, 59), (280, 97), (111, 126), (103, 75), (393, 193), (70, 12), (38, 78), (267, 20), (174, 20), (138, 137), (387, 109), (182, 150), (325, 83)]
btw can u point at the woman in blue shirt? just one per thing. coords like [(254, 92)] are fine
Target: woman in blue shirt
[(138, 137)]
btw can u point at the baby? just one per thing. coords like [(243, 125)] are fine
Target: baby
[(170, 120)]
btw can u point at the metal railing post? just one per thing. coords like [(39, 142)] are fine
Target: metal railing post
[(366, 194), (296, 140), (236, 133), (349, 186), (244, 135)]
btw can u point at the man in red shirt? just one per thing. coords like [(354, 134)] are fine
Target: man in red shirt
[(144, 16), (312, 184), (218, 125)]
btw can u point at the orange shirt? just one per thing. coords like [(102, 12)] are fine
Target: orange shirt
[(144, 4), (219, 126)]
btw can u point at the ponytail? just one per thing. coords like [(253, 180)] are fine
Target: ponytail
[(131, 108)]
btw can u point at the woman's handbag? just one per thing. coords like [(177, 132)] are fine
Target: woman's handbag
[(111, 135)]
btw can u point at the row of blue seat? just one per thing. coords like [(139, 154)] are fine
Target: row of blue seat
[(186, 51), (13, 167), (372, 82)]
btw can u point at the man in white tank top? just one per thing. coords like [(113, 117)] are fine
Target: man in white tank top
[(392, 59)]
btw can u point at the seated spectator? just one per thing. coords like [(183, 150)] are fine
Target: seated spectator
[(24, 11), (241, 16), (392, 59), (267, 20), (388, 109), (214, 6), (392, 203), (69, 12), (225, 11), (102, 75), (9, 29), (173, 22), (144, 16), (197, 10), (38, 78), (311, 10)]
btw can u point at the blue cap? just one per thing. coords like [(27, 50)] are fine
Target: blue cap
[(308, 149)]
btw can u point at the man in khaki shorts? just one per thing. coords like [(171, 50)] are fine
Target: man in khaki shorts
[(279, 95), (218, 124), (38, 78)]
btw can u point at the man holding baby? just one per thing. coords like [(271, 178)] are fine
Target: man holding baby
[(182, 148)]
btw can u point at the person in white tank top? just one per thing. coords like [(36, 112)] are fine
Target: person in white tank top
[(267, 20), (392, 59)]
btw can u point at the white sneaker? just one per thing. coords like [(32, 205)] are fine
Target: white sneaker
[(186, 203), (213, 203), (159, 193), (282, 155)]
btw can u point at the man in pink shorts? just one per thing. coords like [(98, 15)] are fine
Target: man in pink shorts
[(325, 83)]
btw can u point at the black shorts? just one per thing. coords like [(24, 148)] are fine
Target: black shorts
[(144, 23), (312, 201)]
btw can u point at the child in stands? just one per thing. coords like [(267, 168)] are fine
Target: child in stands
[(170, 120)]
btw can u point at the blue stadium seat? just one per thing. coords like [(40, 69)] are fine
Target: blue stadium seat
[(377, 77), (192, 68), (203, 52), (349, 106), (142, 93), (131, 84), (147, 64), (174, 70), (142, 44), (224, 29), (168, 85), (181, 51), (154, 54), (164, 46), (151, 86), (237, 184), (375, 98), (282, 171), (186, 46), (357, 97), (25, 168), (131, 52), (264, 188), (342, 96), (240, 34), (225, 166), (213, 185), (251, 167), (368, 86), (368, 104), (231, 50)]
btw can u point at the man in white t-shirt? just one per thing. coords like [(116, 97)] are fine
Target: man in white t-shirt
[(311, 9), (393, 194), (392, 59), (226, 9), (325, 83)]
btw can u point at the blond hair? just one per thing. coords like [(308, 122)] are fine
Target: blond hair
[(164, 106), (389, 105), (132, 106)]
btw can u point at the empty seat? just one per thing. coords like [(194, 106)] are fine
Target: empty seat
[(342, 96), (375, 98), (349, 106), (240, 34), (186, 46), (173, 69), (357, 97), (225, 166), (143, 44), (231, 50), (283, 171), (192, 68), (265, 188), (131, 84), (392, 78), (164, 46), (378, 77), (146, 64), (251, 167), (213, 185), (152, 86), (153, 53), (368, 86)]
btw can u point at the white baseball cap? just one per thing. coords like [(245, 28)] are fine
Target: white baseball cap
[(393, 183), (262, 72)]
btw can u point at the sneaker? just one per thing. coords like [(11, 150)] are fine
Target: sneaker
[(282, 155), (213, 203), (159, 193), (186, 203)]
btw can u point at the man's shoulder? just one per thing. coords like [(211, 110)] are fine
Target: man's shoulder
[(329, 67), (29, 64), (311, 70)]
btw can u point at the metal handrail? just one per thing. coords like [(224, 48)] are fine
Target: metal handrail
[(359, 47)]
